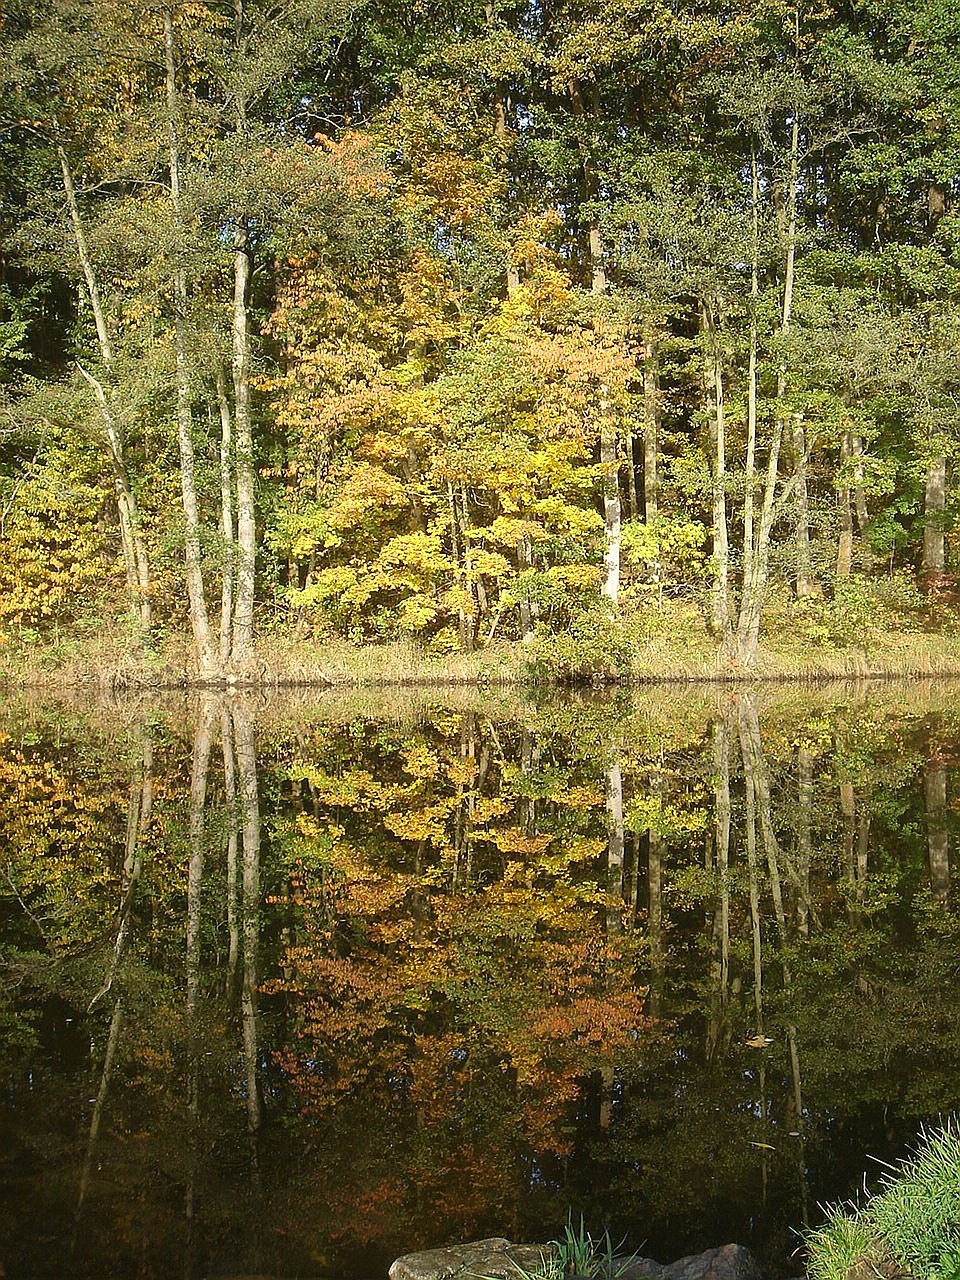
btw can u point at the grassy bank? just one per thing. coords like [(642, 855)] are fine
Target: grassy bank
[(864, 636), (911, 1227)]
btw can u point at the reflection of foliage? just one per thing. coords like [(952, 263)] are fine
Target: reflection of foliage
[(472, 1015)]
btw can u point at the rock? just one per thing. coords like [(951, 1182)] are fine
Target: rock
[(496, 1259), (729, 1262)]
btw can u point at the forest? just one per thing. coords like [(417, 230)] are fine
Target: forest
[(477, 323)]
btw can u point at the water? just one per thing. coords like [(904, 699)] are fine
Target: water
[(293, 987)]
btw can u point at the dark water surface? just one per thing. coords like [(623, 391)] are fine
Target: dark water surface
[(293, 987)]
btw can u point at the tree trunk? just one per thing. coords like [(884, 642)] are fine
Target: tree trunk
[(207, 657), (241, 656), (502, 135), (651, 424), (934, 504), (226, 518), (845, 544), (611, 502), (720, 596), (131, 535), (598, 276), (805, 582)]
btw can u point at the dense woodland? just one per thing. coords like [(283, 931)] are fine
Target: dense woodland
[(473, 322)]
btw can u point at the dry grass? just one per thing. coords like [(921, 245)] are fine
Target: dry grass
[(672, 647)]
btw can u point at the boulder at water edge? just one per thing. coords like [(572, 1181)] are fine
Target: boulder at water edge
[(498, 1259)]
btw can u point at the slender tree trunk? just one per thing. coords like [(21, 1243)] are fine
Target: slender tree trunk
[(502, 135), (598, 276), (207, 658), (750, 472), (806, 584), (651, 424), (845, 544), (757, 572), (720, 596), (460, 574), (131, 535), (241, 656), (611, 502), (934, 504), (528, 608), (226, 518)]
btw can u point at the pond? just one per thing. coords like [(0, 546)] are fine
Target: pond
[(290, 986)]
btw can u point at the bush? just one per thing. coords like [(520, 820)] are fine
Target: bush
[(593, 648)]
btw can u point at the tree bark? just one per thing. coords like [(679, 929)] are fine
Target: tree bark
[(651, 424), (934, 505), (241, 655), (611, 502), (207, 656), (131, 535), (227, 567), (720, 595)]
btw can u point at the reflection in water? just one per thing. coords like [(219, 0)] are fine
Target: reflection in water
[(379, 983)]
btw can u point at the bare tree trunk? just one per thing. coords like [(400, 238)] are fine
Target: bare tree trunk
[(806, 585), (756, 572), (241, 656), (934, 504), (845, 545), (721, 620), (611, 502), (226, 518), (528, 608), (651, 424), (131, 535), (501, 133), (598, 277), (460, 573), (207, 658)]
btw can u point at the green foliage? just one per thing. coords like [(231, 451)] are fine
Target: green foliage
[(913, 1222)]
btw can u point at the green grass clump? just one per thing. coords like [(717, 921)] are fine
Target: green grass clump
[(836, 1247), (910, 1227)]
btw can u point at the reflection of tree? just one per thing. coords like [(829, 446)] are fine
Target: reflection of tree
[(938, 839), (139, 810), (435, 1023)]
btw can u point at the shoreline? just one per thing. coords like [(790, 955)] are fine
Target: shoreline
[(893, 657)]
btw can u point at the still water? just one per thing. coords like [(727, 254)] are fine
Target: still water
[(291, 987)]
